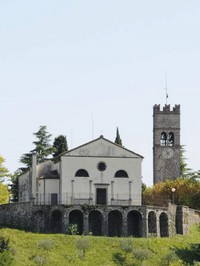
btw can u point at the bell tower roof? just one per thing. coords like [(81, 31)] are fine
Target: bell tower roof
[(166, 109)]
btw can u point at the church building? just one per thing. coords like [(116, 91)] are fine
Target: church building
[(97, 173)]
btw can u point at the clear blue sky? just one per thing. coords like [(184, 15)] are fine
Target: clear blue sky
[(82, 68)]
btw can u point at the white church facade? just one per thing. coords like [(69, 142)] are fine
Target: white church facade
[(99, 172)]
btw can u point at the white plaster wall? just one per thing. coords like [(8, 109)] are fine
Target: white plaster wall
[(121, 185), (45, 188), (24, 187), (52, 185), (48, 186)]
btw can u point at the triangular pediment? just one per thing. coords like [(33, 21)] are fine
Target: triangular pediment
[(101, 147)]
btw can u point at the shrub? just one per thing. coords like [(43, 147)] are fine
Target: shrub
[(5, 258), (82, 244), (5, 254), (73, 229), (141, 253), (169, 258), (39, 260), (3, 244), (126, 245), (46, 244)]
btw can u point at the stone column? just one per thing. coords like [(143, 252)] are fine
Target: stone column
[(90, 192), (86, 224), (72, 191), (158, 223), (65, 221), (124, 224), (33, 176), (144, 223), (129, 188), (112, 192), (105, 224)]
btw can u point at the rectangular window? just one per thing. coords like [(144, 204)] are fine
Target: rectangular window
[(54, 198), (101, 196)]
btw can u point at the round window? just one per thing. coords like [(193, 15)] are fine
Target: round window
[(101, 166)]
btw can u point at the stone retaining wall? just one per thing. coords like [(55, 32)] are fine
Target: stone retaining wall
[(132, 220), (17, 215)]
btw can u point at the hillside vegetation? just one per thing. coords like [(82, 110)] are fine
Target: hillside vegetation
[(27, 249)]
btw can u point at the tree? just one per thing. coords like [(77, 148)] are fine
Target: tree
[(118, 139), (14, 186), (185, 171), (42, 148), (3, 170), (187, 192), (26, 159), (4, 193), (60, 145)]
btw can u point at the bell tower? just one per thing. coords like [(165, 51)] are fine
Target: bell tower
[(166, 143)]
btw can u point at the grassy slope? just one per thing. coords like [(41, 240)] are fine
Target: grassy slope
[(103, 250)]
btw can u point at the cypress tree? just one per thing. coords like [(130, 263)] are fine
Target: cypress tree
[(60, 145), (118, 139)]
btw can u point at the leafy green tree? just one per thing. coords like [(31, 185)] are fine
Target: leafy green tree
[(3, 170), (184, 169), (187, 172), (118, 139), (187, 192), (4, 193), (14, 186), (60, 145), (26, 159), (43, 148)]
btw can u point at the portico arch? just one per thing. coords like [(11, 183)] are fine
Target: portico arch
[(56, 221), (134, 223), (152, 226), (76, 217), (95, 223), (164, 230), (115, 223)]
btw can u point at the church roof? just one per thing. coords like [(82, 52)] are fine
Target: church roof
[(101, 147), (51, 175)]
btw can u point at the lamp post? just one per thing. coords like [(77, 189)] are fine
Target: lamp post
[(173, 191)]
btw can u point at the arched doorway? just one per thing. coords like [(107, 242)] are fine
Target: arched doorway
[(56, 221), (164, 230), (76, 217), (95, 223), (39, 221), (134, 224), (152, 226), (114, 223)]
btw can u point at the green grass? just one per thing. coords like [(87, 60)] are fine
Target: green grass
[(59, 249)]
